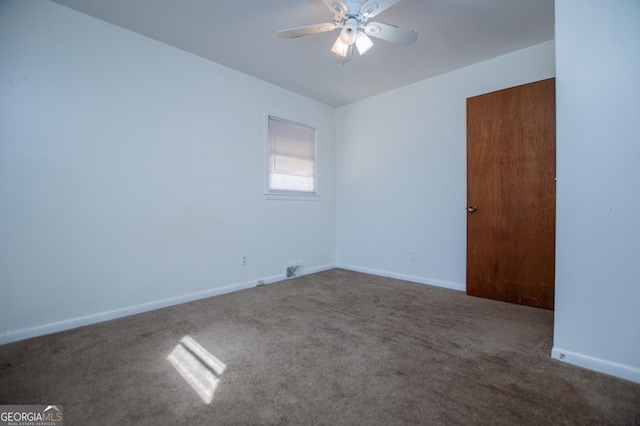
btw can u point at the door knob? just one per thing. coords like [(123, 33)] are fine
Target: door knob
[(472, 209)]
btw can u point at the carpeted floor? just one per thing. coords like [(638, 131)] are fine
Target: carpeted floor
[(332, 348)]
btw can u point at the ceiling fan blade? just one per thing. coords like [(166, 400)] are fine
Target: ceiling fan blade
[(307, 30), (337, 7), (390, 33), (371, 8)]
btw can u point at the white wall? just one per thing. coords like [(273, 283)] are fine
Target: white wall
[(132, 174), (401, 170), (597, 322)]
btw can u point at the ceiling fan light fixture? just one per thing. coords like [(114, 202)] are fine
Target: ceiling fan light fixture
[(363, 43), (351, 17), (349, 32), (340, 48)]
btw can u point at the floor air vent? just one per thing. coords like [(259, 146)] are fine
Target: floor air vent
[(292, 271)]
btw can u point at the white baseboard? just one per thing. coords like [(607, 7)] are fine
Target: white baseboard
[(419, 280), (307, 271), (600, 365), (14, 336), (580, 360)]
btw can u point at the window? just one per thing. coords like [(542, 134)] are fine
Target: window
[(291, 156)]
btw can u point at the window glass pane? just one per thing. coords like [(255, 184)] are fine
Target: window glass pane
[(292, 152)]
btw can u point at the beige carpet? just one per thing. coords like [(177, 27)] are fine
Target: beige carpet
[(331, 348)]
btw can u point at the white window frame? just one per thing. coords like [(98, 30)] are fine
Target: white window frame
[(270, 194)]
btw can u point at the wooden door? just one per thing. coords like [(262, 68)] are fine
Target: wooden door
[(511, 195)]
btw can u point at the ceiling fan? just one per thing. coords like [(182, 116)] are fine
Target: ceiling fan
[(352, 17)]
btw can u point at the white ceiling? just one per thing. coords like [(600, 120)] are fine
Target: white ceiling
[(243, 35)]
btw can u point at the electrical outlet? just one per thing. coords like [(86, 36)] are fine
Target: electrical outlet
[(412, 256), (243, 260)]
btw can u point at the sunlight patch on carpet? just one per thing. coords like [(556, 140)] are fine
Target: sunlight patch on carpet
[(200, 369)]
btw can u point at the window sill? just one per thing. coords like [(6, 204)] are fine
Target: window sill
[(292, 197)]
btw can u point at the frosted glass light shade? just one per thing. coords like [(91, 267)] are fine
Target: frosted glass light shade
[(363, 43), (339, 48), (349, 33)]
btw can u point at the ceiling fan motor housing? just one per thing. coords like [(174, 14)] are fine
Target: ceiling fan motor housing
[(353, 7), (359, 10)]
